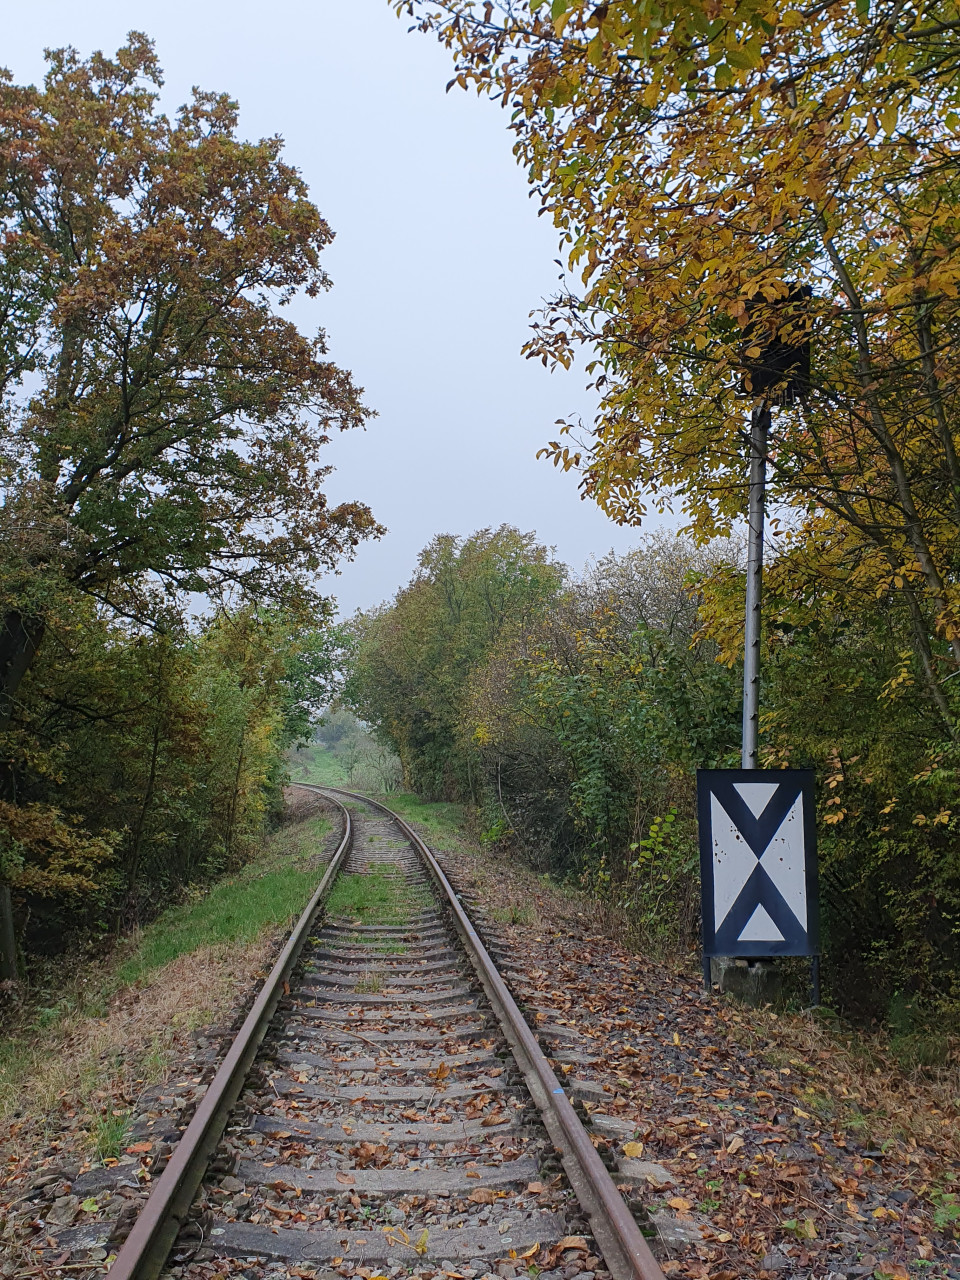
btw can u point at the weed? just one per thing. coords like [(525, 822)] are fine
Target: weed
[(371, 982), (802, 1228), (48, 1017), (708, 1206), (109, 1135), (516, 913), (946, 1211), (501, 830)]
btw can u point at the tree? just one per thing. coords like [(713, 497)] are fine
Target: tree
[(172, 441), (589, 722), (156, 760), (413, 658), (161, 423), (702, 160)]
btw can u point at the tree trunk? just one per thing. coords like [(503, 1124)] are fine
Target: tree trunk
[(9, 969), (20, 638), (234, 799), (132, 905)]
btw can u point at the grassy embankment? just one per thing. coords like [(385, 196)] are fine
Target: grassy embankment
[(119, 1024)]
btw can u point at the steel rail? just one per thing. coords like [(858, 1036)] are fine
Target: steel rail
[(625, 1250), (144, 1252)]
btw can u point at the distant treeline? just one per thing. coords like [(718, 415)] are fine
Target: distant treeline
[(573, 712)]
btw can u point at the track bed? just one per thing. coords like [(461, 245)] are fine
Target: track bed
[(387, 1124)]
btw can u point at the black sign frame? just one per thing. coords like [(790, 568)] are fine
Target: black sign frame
[(758, 889)]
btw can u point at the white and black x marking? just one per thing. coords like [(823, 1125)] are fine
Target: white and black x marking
[(758, 862)]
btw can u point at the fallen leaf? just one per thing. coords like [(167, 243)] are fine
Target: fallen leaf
[(573, 1242), (482, 1195), (346, 1178), (534, 1188), (421, 1245), (472, 1173), (633, 1149), (138, 1147), (734, 1145), (528, 1253), (680, 1204), (891, 1271), (90, 1205)]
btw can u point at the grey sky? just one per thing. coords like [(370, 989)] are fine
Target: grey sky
[(438, 259)]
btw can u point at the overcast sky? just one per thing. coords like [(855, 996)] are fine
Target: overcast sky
[(438, 260)]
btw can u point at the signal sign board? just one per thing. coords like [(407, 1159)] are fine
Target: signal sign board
[(758, 862)]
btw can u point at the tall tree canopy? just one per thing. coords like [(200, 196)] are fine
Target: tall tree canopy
[(161, 422), (700, 160)]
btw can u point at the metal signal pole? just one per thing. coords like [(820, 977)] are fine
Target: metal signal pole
[(759, 438)]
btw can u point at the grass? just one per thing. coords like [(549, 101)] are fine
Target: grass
[(265, 893), (516, 913), (374, 898), (110, 1134), (117, 1023), (318, 765), (438, 819), (370, 983)]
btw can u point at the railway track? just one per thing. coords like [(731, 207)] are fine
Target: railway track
[(385, 1109)]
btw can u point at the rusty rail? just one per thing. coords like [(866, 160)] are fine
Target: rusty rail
[(144, 1252), (625, 1250)]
